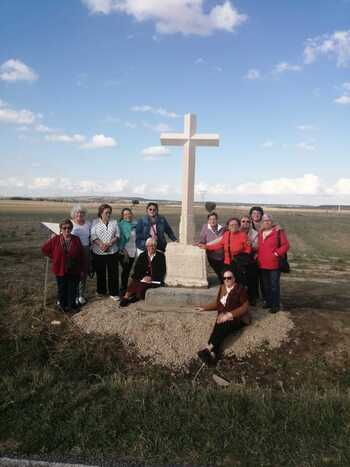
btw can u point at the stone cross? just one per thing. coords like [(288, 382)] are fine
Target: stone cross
[(189, 139)]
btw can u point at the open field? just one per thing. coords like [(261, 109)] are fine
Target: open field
[(62, 392)]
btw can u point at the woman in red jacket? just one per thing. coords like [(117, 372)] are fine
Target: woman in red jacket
[(272, 245), (67, 255), (233, 242)]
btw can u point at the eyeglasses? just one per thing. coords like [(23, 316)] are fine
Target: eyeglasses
[(66, 228), (226, 278)]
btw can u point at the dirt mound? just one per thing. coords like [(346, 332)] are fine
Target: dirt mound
[(173, 337)]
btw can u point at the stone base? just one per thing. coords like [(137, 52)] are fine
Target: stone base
[(186, 266), (170, 297)]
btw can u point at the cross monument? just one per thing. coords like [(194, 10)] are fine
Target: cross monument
[(189, 139), (186, 264)]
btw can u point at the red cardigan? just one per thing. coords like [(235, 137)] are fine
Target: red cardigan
[(53, 248), (233, 244), (268, 247)]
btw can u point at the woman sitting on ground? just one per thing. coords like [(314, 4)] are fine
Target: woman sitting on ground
[(233, 314), (67, 255), (149, 273), (212, 231)]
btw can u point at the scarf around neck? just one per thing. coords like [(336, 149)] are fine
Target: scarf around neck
[(125, 232)]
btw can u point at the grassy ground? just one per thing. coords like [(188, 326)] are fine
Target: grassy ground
[(83, 395)]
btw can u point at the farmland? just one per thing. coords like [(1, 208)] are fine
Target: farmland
[(87, 396)]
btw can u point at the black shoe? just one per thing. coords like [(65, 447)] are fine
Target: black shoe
[(123, 302), (133, 299), (252, 302), (266, 306), (274, 309), (207, 357)]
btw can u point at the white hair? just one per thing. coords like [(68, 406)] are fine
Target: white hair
[(149, 240), (77, 208)]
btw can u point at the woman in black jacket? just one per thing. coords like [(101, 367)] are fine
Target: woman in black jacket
[(149, 273)]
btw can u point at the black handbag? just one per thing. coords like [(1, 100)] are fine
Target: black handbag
[(283, 260)]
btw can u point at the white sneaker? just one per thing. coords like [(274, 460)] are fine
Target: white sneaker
[(115, 297), (82, 300)]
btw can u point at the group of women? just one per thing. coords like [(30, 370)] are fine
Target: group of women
[(245, 254), (247, 257), (104, 246)]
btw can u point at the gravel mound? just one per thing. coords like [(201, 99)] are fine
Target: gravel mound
[(172, 337)]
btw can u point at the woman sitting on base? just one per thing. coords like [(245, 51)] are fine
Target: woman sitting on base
[(233, 314), (149, 273)]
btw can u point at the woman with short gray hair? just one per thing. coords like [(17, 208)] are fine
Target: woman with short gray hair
[(81, 228)]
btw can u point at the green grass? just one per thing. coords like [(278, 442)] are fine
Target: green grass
[(63, 392)]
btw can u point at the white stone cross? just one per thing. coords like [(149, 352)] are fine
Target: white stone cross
[(189, 139)]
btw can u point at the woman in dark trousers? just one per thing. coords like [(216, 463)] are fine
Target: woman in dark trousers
[(272, 245), (127, 246), (155, 226), (212, 231), (232, 306), (104, 239), (67, 255)]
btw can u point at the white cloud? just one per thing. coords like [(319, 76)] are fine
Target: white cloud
[(44, 129), (14, 70), (42, 183), (174, 16), (11, 182), (307, 128), (341, 187), (131, 125), (155, 152), (346, 86), (343, 100), (99, 142), (158, 128), (253, 74), (309, 184), (20, 117), (154, 110), (199, 61), (65, 138), (306, 146), (336, 45), (268, 144), (140, 189), (282, 67)]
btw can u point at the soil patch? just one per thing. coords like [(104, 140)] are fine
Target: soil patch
[(172, 337)]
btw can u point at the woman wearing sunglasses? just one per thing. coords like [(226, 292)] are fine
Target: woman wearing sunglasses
[(67, 255), (232, 306), (155, 226)]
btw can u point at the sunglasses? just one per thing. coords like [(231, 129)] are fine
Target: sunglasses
[(244, 222), (226, 278), (66, 228)]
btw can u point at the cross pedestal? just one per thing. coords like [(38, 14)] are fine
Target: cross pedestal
[(186, 264)]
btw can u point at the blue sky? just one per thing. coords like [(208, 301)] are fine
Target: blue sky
[(86, 87)]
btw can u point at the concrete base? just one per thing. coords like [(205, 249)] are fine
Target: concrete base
[(186, 266), (179, 296)]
